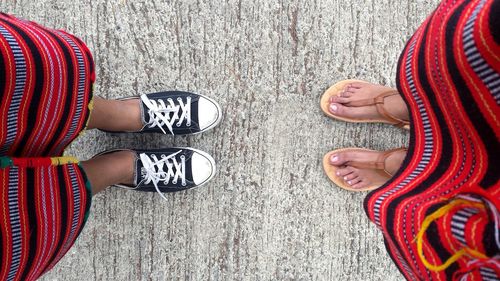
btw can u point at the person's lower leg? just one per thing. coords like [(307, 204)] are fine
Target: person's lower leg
[(115, 115), (108, 169)]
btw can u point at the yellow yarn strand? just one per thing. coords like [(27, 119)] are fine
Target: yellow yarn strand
[(434, 216), (63, 160)]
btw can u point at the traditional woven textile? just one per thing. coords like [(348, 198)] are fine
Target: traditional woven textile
[(439, 213), (45, 90), (45, 202)]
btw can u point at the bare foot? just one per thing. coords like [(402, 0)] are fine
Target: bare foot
[(358, 177), (356, 91)]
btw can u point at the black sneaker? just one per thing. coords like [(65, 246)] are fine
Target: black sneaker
[(171, 169), (178, 113)]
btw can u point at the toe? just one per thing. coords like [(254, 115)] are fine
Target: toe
[(346, 87), (347, 94), (340, 110), (359, 185), (350, 177), (339, 99), (334, 107), (337, 159), (353, 181), (344, 171)]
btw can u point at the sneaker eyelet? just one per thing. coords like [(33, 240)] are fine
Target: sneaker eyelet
[(174, 182), (183, 157), (163, 156), (170, 99), (179, 99)]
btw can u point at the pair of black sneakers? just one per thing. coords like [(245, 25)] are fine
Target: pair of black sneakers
[(176, 168)]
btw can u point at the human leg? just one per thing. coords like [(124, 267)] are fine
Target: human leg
[(109, 169), (115, 115)]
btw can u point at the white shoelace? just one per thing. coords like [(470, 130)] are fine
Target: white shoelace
[(163, 169), (165, 114)]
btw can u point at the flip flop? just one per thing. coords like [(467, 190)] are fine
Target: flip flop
[(378, 166), (378, 101)]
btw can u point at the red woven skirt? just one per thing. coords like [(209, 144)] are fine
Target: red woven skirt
[(46, 78), (439, 213)]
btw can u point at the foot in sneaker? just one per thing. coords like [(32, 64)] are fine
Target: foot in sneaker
[(169, 170), (173, 112)]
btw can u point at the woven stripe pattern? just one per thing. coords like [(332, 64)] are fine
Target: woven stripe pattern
[(449, 76), (46, 82)]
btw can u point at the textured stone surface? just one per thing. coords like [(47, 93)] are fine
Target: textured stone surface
[(270, 213)]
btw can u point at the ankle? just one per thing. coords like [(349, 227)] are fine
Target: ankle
[(131, 112), (399, 108), (116, 115), (125, 160), (394, 161)]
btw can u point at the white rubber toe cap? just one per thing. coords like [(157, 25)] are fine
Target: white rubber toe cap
[(203, 166), (209, 113)]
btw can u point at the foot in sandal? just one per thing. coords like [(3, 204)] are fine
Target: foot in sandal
[(360, 101), (358, 169)]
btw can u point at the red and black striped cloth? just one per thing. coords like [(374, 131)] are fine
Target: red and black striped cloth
[(443, 201), (46, 78), (439, 213)]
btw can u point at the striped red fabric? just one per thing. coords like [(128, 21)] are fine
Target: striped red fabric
[(45, 89), (449, 75), (44, 208)]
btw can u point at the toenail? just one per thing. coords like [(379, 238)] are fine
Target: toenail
[(345, 178), (334, 158), (333, 107), (349, 182), (338, 173)]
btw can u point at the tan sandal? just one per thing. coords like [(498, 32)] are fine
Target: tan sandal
[(377, 101), (378, 166)]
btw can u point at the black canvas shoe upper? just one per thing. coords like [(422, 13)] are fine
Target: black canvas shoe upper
[(171, 169), (178, 113)]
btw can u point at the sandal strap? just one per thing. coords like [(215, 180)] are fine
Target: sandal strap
[(378, 101), (379, 164)]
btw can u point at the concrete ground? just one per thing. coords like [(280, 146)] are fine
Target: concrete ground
[(270, 213)]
